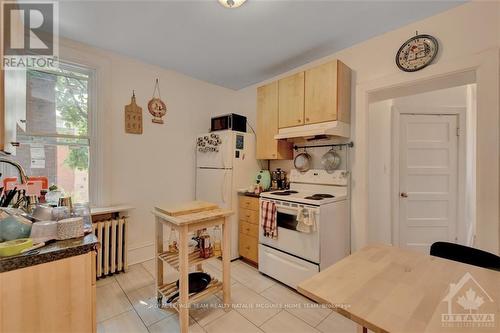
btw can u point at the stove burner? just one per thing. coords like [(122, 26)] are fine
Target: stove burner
[(319, 196), (288, 192), (312, 197), (322, 195)]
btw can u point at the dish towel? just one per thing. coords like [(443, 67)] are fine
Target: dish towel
[(306, 221), (268, 219)]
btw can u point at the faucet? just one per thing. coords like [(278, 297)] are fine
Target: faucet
[(22, 173)]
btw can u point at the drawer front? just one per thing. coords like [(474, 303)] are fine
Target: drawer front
[(283, 267), (249, 247), (249, 202), (249, 229), (250, 216)]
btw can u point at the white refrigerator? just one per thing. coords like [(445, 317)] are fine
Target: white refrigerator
[(225, 163)]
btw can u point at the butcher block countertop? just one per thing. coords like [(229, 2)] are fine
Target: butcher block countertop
[(388, 289), (191, 212)]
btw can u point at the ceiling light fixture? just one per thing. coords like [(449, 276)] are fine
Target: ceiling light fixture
[(232, 3)]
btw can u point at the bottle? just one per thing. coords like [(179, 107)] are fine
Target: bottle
[(205, 245), (216, 241), (172, 241)]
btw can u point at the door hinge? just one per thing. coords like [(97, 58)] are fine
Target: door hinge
[(458, 131)]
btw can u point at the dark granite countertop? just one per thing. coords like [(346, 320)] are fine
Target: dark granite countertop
[(250, 194), (55, 251)]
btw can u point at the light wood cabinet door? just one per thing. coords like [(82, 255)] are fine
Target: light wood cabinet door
[(58, 296), (291, 101), (247, 202), (249, 247), (327, 93), (321, 93), (268, 148)]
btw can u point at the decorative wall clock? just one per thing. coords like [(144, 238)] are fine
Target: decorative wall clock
[(133, 117), (416, 53), (156, 106)]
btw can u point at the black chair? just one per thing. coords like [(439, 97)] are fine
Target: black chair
[(465, 254)]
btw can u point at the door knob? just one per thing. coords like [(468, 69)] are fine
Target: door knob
[(403, 195)]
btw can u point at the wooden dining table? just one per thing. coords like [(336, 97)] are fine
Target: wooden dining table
[(388, 289)]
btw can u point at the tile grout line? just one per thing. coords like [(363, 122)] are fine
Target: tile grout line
[(265, 321), (118, 314), (322, 320), (128, 299)]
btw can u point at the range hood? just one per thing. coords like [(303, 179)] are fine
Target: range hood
[(331, 128)]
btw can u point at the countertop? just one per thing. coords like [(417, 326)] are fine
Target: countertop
[(55, 251), (194, 218)]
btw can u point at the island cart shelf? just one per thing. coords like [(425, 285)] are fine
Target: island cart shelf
[(185, 219)]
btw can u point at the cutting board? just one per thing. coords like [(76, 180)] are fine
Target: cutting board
[(186, 208), (133, 117)]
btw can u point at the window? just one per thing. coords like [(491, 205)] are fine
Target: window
[(49, 114)]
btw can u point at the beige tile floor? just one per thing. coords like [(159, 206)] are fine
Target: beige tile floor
[(127, 303)]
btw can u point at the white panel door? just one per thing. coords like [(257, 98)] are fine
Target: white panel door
[(428, 180)]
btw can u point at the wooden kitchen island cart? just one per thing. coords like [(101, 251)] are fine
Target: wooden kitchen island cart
[(186, 219)]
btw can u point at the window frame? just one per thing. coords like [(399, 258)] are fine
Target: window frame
[(92, 125)]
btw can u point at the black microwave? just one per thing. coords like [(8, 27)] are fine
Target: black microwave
[(230, 121)]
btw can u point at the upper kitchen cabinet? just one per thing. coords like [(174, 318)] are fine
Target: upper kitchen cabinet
[(327, 93), (268, 148), (291, 100)]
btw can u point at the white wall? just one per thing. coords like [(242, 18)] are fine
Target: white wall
[(157, 167), (379, 172), (463, 32)]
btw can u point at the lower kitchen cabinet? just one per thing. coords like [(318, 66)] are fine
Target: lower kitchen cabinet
[(249, 228), (58, 296)]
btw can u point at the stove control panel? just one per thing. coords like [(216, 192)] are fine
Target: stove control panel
[(319, 176)]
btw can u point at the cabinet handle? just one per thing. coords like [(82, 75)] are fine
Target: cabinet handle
[(248, 216), (248, 247), (299, 121), (307, 119)]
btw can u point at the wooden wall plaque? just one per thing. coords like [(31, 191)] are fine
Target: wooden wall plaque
[(133, 117)]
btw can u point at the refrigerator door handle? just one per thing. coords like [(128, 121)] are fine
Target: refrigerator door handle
[(223, 189)]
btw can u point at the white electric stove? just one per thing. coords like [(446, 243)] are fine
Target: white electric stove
[(295, 256)]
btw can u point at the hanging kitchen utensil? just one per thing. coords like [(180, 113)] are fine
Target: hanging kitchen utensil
[(330, 160), (133, 117), (302, 161), (197, 282), (156, 106)]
